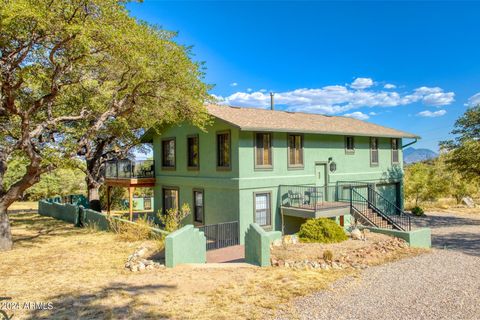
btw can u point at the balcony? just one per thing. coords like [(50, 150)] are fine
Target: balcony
[(314, 202), (126, 172)]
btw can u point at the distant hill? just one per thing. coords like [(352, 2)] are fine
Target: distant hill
[(412, 155)]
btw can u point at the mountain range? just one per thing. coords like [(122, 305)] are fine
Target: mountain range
[(412, 155)]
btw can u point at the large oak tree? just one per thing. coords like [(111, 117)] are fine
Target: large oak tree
[(74, 72)]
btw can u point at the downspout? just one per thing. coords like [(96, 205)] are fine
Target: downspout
[(409, 144)]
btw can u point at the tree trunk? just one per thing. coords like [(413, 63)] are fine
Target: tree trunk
[(6, 242), (94, 196)]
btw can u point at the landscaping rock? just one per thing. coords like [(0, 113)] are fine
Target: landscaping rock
[(356, 234), (136, 261), (468, 202)]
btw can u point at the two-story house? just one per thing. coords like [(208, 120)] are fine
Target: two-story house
[(276, 168)]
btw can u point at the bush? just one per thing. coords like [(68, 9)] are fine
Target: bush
[(321, 230), (417, 211), (139, 230), (328, 255)]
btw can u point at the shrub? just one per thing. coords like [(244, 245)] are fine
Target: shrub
[(172, 220), (328, 256), (321, 230), (139, 230), (418, 211)]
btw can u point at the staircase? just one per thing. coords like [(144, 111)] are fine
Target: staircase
[(376, 211)]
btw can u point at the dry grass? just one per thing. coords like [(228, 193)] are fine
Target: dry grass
[(446, 205), (81, 272), (24, 205)]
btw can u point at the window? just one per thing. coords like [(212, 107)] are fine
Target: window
[(223, 150), (295, 150), (170, 199), (374, 151), (395, 143), (192, 152), (262, 209), (168, 153), (198, 205), (263, 150), (349, 145)]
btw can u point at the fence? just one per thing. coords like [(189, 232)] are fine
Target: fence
[(221, 235), (312, 197)]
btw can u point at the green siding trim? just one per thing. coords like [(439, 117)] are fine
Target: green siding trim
[(186, 245), (257, 245), (419, 238)]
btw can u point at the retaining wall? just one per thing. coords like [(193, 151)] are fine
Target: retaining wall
[(257, 245), (186, 245), (419, 238)]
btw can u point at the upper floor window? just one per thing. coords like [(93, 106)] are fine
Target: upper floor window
[(374, 151), (263, 150), (193, 152), (223, 150), (395, 144), (168, 153), (295, 150), (349, 145)]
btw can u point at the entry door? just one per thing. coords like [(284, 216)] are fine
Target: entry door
[(321, 179)]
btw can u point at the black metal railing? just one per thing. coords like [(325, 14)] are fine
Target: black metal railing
[(221, 235), (386, 207), (369, 210), (128, 169), (312, 197)]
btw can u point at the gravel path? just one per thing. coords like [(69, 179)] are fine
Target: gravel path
[(444, 284)]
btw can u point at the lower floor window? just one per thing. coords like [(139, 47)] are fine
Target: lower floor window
[(170, 199), (198, 205), (263, 209)]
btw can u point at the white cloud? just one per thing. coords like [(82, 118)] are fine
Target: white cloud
[(233, 84), (336, 99), (249, 89), (373, 113), (357, 115), (432, 114), (389, 86), (361, 83), (473, 100)]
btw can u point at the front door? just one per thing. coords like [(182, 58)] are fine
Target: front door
[(321, 179)]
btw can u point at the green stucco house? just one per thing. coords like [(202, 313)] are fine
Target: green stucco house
[(278, 168)]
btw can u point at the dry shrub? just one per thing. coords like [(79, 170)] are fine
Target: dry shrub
[(139, 230), (328, 255)]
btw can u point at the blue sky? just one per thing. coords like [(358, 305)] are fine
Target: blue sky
[(414, 66)]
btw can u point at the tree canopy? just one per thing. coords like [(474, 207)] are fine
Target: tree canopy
[(75, 72)]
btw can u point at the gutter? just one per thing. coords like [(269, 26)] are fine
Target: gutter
[(409, 144)]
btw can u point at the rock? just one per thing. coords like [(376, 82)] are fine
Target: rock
[(468, 202), (356, 234), (141, 267), (277, 242)]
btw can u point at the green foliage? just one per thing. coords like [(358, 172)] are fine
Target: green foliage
[(117, 197), (172, 219), (59, 182), (321, 230), (464, 150), (424, 182), (429, 181), (417, 211)]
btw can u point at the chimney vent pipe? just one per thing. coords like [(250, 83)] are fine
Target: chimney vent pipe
[(272, 104)]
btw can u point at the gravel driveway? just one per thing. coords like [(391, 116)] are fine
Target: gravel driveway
[(443, 284)]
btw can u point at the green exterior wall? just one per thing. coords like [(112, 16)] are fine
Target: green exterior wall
[(186, 245), (229, 195)]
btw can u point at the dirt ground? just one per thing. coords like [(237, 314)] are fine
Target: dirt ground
[(81, 273)]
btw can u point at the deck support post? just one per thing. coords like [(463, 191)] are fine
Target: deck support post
[(283, 223), (130, 202), (108, 200)]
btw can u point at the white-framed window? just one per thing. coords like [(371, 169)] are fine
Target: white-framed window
[(262, 208)]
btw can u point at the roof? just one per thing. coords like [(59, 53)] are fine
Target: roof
[(254, 119)]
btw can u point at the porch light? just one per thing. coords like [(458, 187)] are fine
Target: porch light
[(333, 166)]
